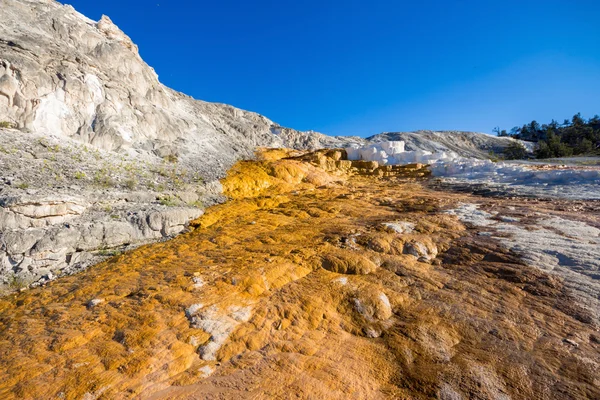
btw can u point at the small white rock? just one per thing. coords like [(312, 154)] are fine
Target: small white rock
[(198, 282), (94, 302), (342, 281), (193, 309), (206, 371), (401, 227)]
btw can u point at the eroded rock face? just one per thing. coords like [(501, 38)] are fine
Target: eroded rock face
[(303, 285), (95, 128), (44, 238), (65, 74), (65, 205)]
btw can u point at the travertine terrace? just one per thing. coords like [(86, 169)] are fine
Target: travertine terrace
[(320, 278)]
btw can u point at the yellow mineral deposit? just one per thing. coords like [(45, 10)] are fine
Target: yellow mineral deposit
[(321, 278)]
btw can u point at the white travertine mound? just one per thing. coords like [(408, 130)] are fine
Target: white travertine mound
[(519, 177), (465, 144), (394, 153), (523, 178)]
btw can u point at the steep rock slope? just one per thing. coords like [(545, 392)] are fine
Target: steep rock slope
[(65, 205), (63, 73), (102, 146)]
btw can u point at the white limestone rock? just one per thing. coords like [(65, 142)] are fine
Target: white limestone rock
[(65, 74), (400, 227), (570, 249), (218, 324)]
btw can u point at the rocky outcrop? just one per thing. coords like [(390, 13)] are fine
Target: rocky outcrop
[(45, 237), (65, 206), (65, 74), (328, 284), (103, 156)]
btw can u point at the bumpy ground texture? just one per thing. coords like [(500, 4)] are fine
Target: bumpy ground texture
[(320, 279)]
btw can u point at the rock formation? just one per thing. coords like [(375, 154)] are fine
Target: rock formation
[(101, 147), (65, 205), (64, 74), (330, 274), (325, 278), (465, 144), (101, 143)]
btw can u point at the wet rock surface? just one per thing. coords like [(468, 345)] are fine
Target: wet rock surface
[(564, 245), (475, 321)]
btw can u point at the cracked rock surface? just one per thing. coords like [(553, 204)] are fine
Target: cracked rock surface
[(66, 205)]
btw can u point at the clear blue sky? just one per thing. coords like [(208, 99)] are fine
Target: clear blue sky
[(363, 67)]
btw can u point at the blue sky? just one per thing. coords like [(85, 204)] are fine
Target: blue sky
[(364, 67)]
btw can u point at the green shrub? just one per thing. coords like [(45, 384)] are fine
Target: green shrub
[(168, 201), (109, 253), (131, 183), (103, 178), (493, 156), (198, 204), (17, 282), (197, 178), (515, 151), (585, 147), (172, 158)]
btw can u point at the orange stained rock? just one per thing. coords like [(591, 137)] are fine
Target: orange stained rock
[(294, 288)]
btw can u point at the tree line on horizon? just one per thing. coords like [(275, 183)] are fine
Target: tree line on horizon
[(577, 136)]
